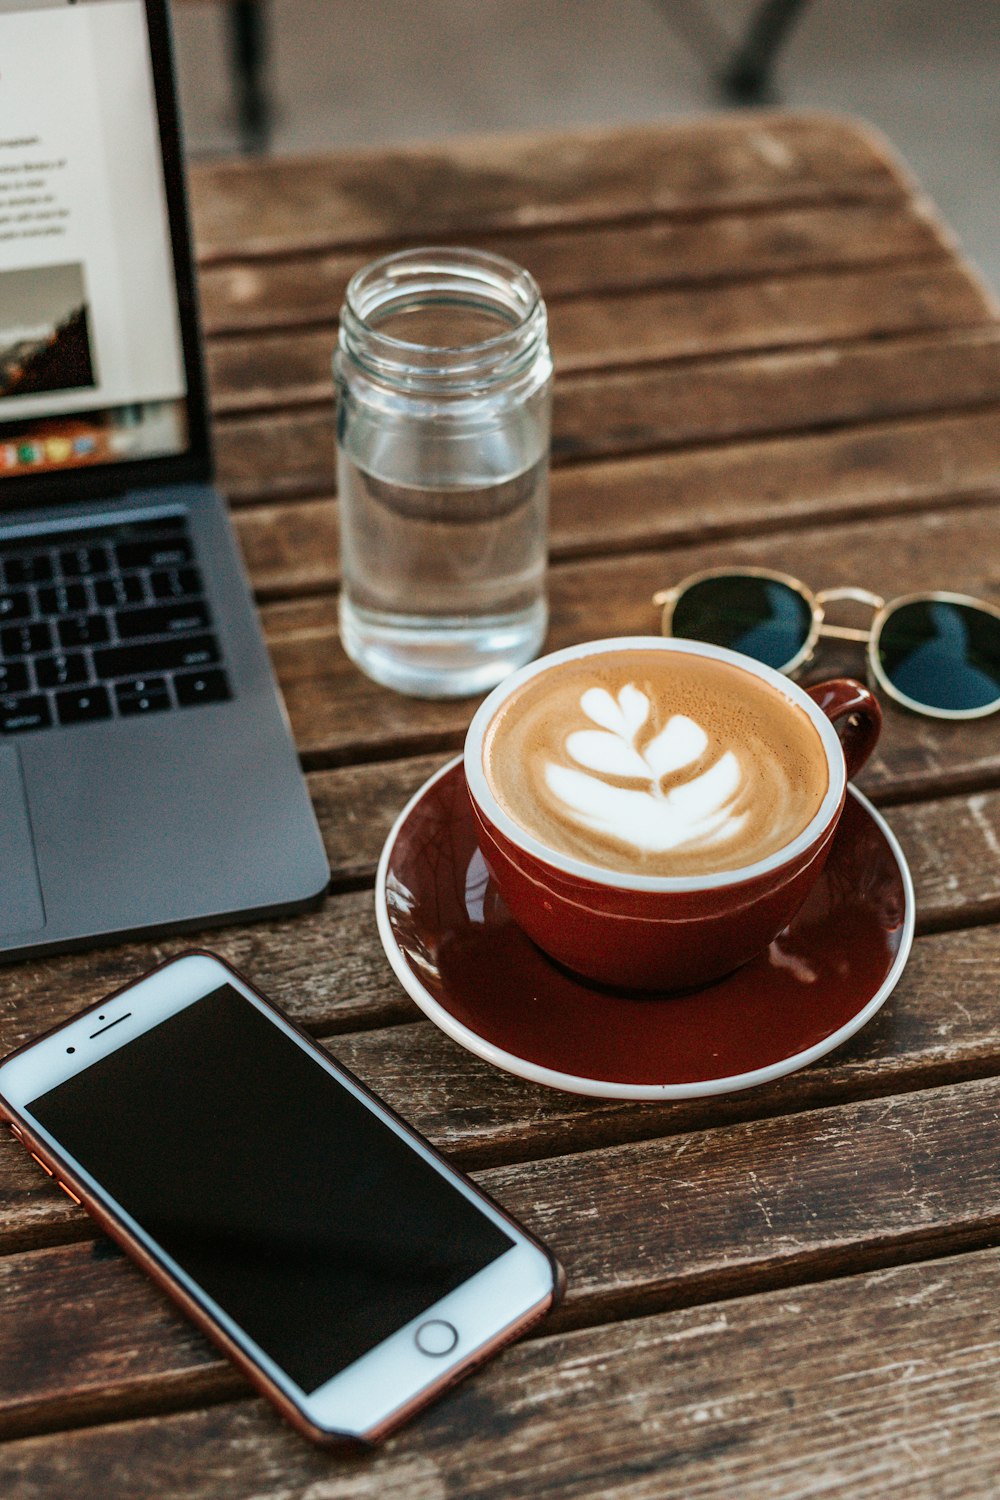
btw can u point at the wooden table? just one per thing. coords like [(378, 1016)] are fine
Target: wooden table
[(769, 351)]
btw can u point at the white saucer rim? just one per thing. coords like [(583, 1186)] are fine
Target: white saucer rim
[(595, 1088)]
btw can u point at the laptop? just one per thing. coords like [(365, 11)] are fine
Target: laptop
[(148, 778)]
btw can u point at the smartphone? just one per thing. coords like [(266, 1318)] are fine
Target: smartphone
[(327, 1247)]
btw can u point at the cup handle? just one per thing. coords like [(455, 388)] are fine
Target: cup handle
[(844, 699)]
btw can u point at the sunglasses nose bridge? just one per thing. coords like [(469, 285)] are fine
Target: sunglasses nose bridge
[(855, 596), (858, 596)]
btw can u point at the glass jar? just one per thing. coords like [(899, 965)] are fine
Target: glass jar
[(443, 378)]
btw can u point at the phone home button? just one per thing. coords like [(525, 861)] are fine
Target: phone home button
[(436, 1337)]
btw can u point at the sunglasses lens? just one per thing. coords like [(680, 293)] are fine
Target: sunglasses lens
[(943, 655), (762, 617)]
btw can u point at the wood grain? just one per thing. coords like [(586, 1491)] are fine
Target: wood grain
[(637, 328), (324, 967), (884, 1383), (701, 402), (639, 1228), (736, 397), (694, 495), (939, 1026), (951, 843), (327, 967), (298, 291), (486, 184), (339, 715), (881, 1385)]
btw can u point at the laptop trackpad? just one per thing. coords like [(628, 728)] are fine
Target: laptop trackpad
[(21, 908)]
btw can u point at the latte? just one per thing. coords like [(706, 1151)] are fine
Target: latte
[(655, 763)]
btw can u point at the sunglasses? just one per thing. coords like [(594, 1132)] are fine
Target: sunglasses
[(935, 653)]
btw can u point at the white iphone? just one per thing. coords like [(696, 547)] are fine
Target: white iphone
[(328, 1248)]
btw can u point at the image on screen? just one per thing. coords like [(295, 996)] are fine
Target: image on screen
[(44, 332), (311, 1223)]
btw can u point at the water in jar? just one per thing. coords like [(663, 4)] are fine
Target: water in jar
[(444, 510)]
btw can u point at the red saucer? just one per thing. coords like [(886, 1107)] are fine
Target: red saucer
[(456, 951)]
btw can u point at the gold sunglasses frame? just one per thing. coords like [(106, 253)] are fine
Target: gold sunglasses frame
[(667, 598)]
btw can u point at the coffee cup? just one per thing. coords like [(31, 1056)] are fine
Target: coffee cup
[(654, 812)]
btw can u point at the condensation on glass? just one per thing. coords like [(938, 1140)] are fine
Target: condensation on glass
[(443, 377)]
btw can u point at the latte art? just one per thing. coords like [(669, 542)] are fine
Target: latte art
[(691, 813), (656, 763)]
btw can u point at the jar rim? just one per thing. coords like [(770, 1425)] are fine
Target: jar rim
[(443, 273), (445, 260)]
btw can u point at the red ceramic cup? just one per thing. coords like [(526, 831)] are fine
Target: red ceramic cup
[(666, 932)]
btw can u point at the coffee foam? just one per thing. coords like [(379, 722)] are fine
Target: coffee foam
[(655, 763)]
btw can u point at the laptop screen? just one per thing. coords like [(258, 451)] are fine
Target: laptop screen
[(92, 368)]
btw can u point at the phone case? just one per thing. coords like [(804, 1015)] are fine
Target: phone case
[(122, 1235)]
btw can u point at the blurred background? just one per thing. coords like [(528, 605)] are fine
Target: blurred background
[(347, 73)]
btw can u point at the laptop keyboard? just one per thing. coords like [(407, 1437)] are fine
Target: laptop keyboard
[(103, 624)]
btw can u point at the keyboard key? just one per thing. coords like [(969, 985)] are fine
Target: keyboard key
[(80, 562), (64, 599), (201, 687), (15, 606), (142, 695), (159, 552), (17, 715), (138, 687), (60, 671), (85, 630), (25, 640), (126, 588), (156, 656), (13, 677), (162, 619), (30, 568), (81, 705), (176, 583)]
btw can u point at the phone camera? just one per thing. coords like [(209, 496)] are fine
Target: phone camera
[(70, 1049)]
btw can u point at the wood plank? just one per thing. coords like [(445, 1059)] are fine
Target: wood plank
[(339, 715), (327, 966), (695, 495), (277, 454), (508, 182), (151, 1349), (324, 967), (935, 838), (876, 1387), (613, 414), (292, 548), (299, 291), (639, 1228), (778, 312), (254, 372), (941, 1025), (952, 844), (668, 405)]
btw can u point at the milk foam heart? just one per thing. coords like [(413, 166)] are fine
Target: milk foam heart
[(693, 813), (655, 762)]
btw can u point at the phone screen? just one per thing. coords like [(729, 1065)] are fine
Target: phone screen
[(316, 1227)]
